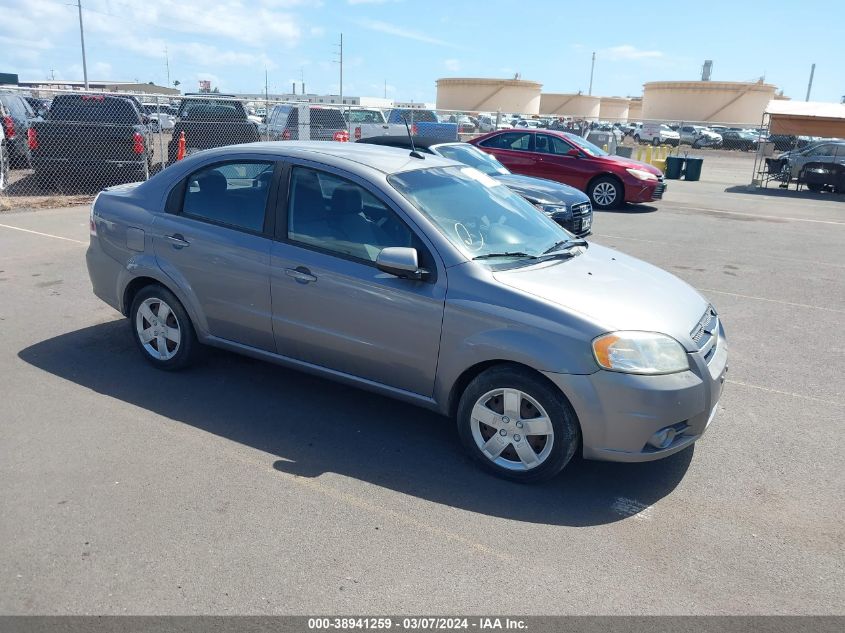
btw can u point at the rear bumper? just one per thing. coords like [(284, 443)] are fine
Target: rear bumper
[(620, 413), (105, 273)]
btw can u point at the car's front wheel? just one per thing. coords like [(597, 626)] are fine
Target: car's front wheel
[(517, 425), (605, 193), (162, 329)]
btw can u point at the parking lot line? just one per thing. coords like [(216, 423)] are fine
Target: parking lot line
[(785, 393), (58, 237), (709, 249), (681, 207), (786, 303)]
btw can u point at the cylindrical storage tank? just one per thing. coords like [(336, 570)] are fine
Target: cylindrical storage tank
[(575, 105), (488, 95), (706, 101), (635, 109), (613, 109)]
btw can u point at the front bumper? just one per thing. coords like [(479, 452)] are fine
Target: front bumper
[(644, 190), (619, 413)]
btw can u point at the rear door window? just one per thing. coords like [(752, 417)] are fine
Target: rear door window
[(508, 140), (232, 194)]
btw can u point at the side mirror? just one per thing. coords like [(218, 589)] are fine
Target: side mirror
[(573, 152), (401, 262)]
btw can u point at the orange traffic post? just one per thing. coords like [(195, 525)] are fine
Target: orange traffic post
[(180, 153)]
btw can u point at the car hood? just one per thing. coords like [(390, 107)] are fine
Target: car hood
[(630, 163), (615, 291), (541, 190)]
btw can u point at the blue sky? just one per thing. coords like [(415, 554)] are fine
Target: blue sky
[(410, 43)]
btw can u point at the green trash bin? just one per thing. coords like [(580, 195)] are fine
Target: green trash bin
[(674, 167), (693, 168)]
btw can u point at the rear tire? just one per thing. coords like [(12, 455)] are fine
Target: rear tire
[(162, 329), (516, 425), (606, 193), (815, 187)]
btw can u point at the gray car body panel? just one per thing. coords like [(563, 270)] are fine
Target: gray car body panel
[(411, 339)]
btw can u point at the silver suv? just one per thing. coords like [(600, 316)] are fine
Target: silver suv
[(418, 278)]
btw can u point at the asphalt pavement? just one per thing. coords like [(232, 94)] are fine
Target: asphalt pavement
[(238, 487)]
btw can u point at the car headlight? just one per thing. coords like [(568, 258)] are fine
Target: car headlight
[(641, 174), (640, 353), (553, 209)]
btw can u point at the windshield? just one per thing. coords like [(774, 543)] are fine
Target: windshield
[(477, 214), (585, 145), (468, 155)]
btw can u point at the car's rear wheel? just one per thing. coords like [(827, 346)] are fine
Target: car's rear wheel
[(605, 193), (815, 187), (655, 141), (162, 329), (516, 425), (637, 139)]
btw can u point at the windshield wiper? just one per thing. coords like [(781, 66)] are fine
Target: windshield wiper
[(513, 254), (564, 243)]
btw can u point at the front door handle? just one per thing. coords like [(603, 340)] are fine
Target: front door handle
[(177, 240), (300, 274)]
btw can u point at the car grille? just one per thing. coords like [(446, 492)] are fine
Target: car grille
[(706, 334), (581, 218), (659, 189)]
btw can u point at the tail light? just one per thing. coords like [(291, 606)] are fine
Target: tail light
[(414, 129), (9, 128), (92, 224), (358, 133), (138, 143), (341, 136), (286, 135), (32, 138)]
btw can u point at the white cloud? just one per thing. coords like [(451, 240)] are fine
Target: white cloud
[(452, 65), (317, 31), (627, 52), (400, 31), (353, 2)]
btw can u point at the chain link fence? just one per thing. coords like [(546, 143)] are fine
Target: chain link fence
[(58, 143)]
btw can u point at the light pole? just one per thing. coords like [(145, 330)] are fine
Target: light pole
[(82, 41)]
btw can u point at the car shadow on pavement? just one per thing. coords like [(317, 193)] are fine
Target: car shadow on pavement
[(627, 207), (773, 190), (314, 426)]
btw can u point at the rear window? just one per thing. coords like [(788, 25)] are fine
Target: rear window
[(366, 116), (327, 118), (414, 116), (212, 110), (93, 109)]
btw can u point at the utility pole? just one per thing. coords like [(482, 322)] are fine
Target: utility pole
[(385, 88), (341, 69), (592, 68), (810, 84), (167, 64), (82, 41), (266, 88)]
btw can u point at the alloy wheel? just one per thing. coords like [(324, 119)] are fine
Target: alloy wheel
[(512, 429), (158, 329), (604, 194)]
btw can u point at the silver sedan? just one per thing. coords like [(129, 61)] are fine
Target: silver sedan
[(419, 278)]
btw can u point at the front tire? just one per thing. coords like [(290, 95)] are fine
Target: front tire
[(162, 328), (516, 425), (606, 193)]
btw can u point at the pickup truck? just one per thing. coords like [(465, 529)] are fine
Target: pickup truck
[(424, 123), (369, 122), (88, 136), (210, 122)]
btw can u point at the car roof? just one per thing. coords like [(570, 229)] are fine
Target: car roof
[(387, 160)]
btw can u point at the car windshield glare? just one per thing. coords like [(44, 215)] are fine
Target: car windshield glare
[(585, 145), (479, 215), (468, 155)]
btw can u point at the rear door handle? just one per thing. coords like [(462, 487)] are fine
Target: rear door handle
[(177, 240), (300, 274)]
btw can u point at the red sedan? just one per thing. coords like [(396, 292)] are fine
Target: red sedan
[(608, 180)]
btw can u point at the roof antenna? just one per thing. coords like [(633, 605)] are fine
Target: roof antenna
[(414, 152)]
